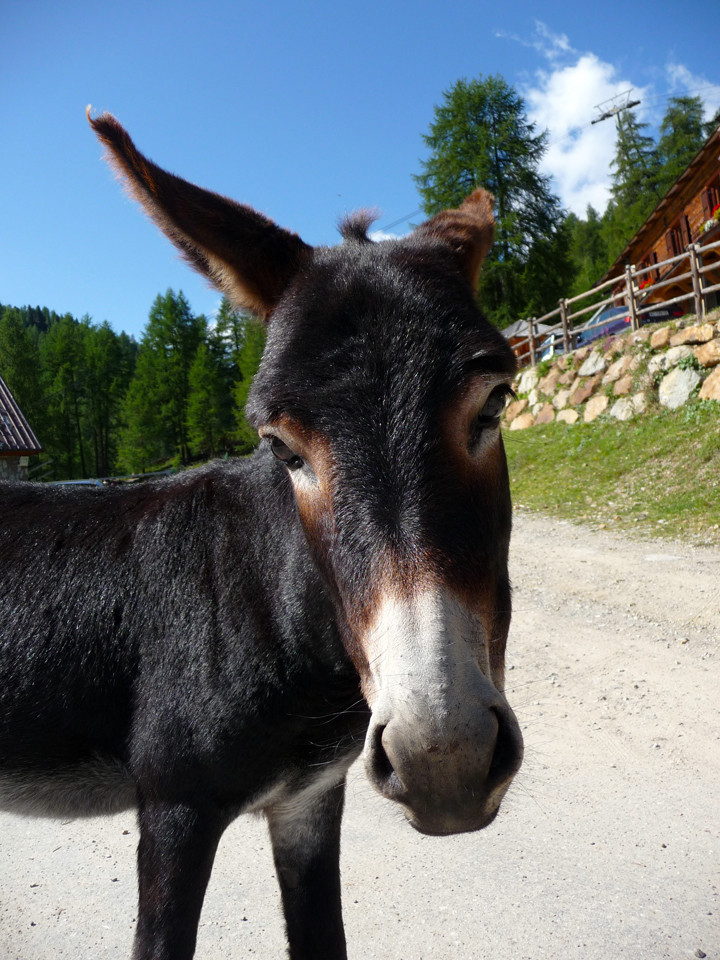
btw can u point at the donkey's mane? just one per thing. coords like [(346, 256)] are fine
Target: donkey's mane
[(354, 226)]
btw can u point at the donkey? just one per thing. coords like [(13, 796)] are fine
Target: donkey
[(231, 639)]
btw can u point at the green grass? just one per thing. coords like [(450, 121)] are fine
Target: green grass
[(657, 475)]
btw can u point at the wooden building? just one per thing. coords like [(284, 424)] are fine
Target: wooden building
[(17, 440), (688, 213)]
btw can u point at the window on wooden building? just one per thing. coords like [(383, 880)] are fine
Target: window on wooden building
[(673, 241), (685, 236), (678, 237), (711, 197), (649, 260), (654, 274)]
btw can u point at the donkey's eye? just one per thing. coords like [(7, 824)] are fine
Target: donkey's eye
[(490, 414), (283, 452)]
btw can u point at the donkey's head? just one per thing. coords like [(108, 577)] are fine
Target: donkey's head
[(380, 393)]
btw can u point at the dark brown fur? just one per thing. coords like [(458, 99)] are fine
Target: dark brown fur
[(196, 647)]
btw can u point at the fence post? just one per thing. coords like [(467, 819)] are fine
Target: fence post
[(563, 317), (630, 296), (531, 339), (696, 281)]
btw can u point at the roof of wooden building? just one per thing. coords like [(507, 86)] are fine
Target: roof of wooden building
[(520, 329), (16, 435), (710, 145)]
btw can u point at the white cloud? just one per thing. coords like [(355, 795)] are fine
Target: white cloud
[(550, 44), (563, 99), (564, 102), (682, 81), (547, 44), (377, 235)]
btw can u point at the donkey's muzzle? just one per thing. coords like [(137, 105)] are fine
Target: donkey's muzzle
[(449, 782), (442, 740)]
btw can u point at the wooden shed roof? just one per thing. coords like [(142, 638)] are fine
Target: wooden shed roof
[(16, 435), (520, 329)]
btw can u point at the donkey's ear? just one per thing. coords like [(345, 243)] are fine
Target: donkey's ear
[(242, 252), (468, 230)]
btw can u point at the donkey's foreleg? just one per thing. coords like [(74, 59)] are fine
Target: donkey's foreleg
[(175, 856), (306, 848)]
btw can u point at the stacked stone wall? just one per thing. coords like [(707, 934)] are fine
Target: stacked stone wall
[(664, 365)]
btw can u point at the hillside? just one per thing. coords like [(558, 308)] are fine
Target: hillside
[(624, 434)]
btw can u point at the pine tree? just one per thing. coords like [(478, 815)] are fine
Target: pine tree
[(62, 351), (548, 271), (156, 405), (109, 362), (248, 362), (588, 250), (481, 137), (636, 177), (230, 329), (682, 135), (225, 339), (712, 124), (146, 438), (206, 407), (20, 368)]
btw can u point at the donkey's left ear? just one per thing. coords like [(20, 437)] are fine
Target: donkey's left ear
[(468, 230), (244, 254)]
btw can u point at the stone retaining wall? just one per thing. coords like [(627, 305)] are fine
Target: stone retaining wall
[(622, 377)]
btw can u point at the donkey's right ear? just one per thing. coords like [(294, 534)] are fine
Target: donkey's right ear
[(247, 256), (467, 230)]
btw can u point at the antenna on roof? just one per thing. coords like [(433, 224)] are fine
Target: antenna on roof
[(614, 106)]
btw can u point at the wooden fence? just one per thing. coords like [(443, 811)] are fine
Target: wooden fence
[(634, 298)]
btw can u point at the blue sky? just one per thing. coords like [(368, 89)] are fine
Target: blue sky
[(304, 110)]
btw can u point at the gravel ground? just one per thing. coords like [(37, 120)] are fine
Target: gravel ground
[(607, 847)]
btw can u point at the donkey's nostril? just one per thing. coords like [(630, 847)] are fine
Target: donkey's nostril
[(380, 767), (507, 755)]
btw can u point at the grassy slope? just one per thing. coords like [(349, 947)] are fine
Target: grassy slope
[(657, 475)]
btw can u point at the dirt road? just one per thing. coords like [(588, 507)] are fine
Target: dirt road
[(608, 846)]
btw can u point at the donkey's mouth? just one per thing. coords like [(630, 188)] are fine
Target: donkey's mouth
[(445, 824)]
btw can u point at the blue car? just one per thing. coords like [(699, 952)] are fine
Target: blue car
[(605, 323), (612, 320)]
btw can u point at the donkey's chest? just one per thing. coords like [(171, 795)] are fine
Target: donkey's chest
[(295, 791)]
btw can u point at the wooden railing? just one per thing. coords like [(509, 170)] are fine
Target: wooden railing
[(632, 296)]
